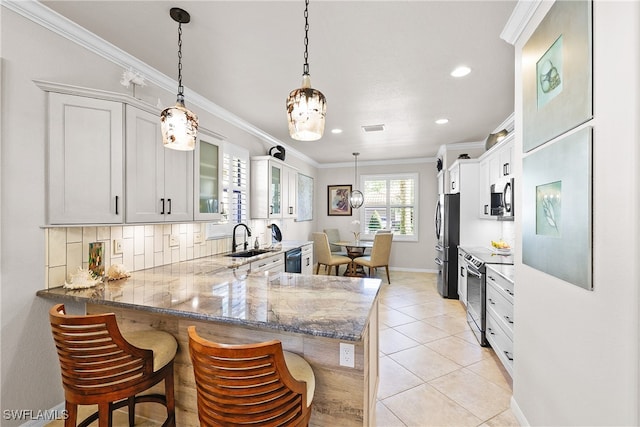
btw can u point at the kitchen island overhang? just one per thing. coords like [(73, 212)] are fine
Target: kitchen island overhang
[(311, 315)]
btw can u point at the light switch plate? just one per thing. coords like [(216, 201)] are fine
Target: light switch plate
[(117, 246)]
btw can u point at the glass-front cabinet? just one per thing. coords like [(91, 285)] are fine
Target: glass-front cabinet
[(275, 191), (207, 180)]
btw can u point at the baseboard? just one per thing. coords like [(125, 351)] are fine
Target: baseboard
[(515, 409), (413, 270)]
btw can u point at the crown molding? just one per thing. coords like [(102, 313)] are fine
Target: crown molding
[(420, 160), (519, 19), (53, 21)]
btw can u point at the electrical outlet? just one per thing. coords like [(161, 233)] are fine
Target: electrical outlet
[(347, 355), (117, 246), (197, 237), (174, 240)]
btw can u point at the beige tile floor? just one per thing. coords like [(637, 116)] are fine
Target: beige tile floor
[(432, 370)]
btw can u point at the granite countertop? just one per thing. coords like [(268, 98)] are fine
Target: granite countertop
[(206, 289), (506, 271)]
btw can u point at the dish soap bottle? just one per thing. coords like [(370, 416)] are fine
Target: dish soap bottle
[(256, 244)]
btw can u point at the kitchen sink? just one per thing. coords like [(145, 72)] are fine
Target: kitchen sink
[(249, 253)]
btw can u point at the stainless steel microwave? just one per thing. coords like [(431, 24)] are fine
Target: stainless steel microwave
[(502, 199)]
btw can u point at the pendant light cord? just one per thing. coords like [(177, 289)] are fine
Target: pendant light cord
[(180, 88), (355, 173), (305, 67)]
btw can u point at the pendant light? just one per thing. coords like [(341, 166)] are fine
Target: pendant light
[(179, 126), (356, 198), (306, 107)]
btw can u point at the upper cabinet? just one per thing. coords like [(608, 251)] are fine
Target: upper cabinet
[(84, 160), (273, 189), (159, 180), (496, 165), (207, 179)]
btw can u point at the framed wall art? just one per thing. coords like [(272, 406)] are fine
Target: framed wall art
[(338, 200), (557, 73), (557, 208), (305, 198)]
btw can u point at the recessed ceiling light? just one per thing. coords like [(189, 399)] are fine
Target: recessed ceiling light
[(461, 71), (336, 130), (442, 121)]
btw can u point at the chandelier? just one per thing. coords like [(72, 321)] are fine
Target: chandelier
[(356, 198)]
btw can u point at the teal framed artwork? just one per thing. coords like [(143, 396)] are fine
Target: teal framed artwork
[(557, 208), (557, 73)]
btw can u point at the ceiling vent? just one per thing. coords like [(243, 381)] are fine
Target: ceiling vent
[(373, 128)]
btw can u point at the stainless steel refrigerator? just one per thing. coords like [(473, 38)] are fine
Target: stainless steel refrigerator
[(447, 228)]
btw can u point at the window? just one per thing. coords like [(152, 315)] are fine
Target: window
[(234, 183), (390, 202)]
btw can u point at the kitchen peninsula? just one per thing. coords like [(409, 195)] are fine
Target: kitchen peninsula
[(310, 314)]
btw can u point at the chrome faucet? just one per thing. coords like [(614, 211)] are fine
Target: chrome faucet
[(246, 234)]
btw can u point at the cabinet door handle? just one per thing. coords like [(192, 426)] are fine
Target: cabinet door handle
[(490, 330), (270, 209), (508, 319), (162, 212), (169, 212), (453, 185), (308, 262), (491, 277), (491, 301), (507, 291), (290, 210), (509, 356), (116, 205), (486, 209), (461, 271)]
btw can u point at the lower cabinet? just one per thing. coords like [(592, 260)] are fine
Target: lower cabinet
[(307, 259), (274, 264), (500, 317), (462, 278)]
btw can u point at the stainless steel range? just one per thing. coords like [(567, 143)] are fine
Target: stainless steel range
[(476, 259)]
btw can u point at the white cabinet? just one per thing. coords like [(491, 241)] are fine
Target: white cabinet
[(462, 278), (484, 193), (273, 188), (454, 178), (159, 180), (84, 160), (207, 180), (273, 264), (307, 259), (500, 316)]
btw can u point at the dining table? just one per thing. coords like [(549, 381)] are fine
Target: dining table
[(355, 249)]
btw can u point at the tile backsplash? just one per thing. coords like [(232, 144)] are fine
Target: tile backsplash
[(143, 246)]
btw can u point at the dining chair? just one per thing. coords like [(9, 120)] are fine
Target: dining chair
[(250, 384), (323, 254), (379, 254), (100, 365), (333, 234)]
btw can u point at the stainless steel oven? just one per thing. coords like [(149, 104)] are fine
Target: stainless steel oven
[(476, 260), (476, 299)]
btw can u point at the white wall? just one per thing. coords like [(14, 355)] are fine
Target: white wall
[(29, 368), (576, 351)]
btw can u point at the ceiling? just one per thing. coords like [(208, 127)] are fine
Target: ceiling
[(377, 62)]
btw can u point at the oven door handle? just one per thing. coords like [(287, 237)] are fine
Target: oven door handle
[(474, 272)]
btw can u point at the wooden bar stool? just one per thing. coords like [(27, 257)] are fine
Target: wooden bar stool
[(253, 384), (102, 366)]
